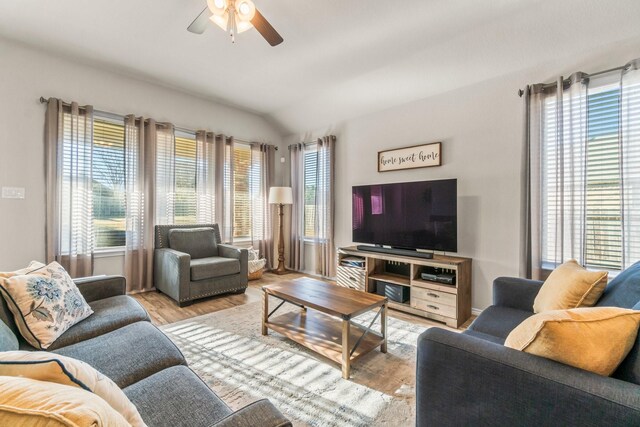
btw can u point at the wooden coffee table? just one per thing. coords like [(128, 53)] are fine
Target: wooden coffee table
[(326, 328)]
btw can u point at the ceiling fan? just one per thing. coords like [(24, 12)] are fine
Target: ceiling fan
[(235, 16)]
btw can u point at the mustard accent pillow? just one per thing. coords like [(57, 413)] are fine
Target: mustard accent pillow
[(595, 339), (25, 402), (570, 286), (43, 366), (45, 302)]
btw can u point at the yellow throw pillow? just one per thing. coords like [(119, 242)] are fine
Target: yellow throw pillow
[(570, 286), (30, 403), (595, 339), (43, 366), (45, 303)]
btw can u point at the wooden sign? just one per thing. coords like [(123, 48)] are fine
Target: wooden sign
[(418, 156)]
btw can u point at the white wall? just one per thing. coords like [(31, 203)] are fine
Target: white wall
[(25, 75), (480, 127)]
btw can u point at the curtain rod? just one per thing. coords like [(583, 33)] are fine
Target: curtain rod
[(549, 85), (44, 100), (309, 143)]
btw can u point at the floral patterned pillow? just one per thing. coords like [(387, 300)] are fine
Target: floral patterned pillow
[(45, 303)]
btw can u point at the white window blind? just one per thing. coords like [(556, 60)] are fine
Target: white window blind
[(603, 243), (247, 206), (310, 176), (603, 206), (108, 182), (185, 203)]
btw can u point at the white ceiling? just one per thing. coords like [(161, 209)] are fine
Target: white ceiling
[(340, 58)]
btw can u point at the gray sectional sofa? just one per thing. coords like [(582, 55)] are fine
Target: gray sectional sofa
[(119, 340), (470, 378)]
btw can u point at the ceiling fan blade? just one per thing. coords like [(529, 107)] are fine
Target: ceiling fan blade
[(201, 22), (266, 30)]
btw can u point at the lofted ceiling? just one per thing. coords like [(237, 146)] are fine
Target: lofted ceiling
[(340, 58)]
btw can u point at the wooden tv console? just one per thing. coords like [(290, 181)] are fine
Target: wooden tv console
[(450, 304)]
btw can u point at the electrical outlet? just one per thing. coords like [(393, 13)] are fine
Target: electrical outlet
[(13, 192)]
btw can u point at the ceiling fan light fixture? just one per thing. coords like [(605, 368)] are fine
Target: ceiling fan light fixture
[(246, 10), (217, 7)]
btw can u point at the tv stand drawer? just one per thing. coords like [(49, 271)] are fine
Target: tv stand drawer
[(434, 307), (433, 296), (351, 277)]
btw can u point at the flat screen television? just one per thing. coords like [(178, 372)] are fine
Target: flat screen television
[(407, 215)]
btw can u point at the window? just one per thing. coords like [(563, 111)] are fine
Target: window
[(310, 175), (108, 182), (601, 213), (247, 209), (185, 208)]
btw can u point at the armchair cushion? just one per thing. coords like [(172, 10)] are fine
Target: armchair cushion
[(208, 268), (197, 242)]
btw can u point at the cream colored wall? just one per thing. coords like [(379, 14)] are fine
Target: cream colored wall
[(481, 132), (25, 75)]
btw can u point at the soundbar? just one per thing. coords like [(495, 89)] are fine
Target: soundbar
[(393, 251)]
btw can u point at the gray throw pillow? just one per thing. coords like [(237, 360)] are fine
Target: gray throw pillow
[(197, 242)]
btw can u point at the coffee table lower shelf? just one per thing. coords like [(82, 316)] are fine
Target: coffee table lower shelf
[(322, 334)]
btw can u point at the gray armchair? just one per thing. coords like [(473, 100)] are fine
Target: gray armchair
[(191, 262)]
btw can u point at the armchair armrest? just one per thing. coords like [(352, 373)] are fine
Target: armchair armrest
[(241, 254), (260, 413), (515, 293), (101, 287), (172, 273), (464, 380)]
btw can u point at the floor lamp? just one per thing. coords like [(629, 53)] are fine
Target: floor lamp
[(280, 196)]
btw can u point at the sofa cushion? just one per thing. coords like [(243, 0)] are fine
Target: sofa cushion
[(624, 290), (596, 339), (26, 402), (176, 397), (45, 303), (570, 285), (109, 314), (208, 268), (499, 321), (197, 242), (629, 369), (128, 354), (58, 369)]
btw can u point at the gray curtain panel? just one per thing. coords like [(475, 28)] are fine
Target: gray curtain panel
[(69, 181), (296, 247), (140, 184), (263, 160), (556, 136), (325, 207)]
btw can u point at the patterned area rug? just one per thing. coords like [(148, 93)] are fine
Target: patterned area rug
[(228, 352)]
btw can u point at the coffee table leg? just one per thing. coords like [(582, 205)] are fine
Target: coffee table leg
[(383, 328), (265, 312), (346, 358)]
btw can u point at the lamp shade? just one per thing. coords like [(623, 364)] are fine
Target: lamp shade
[(280, 196)]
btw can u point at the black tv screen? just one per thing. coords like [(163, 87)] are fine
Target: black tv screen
[(409, 215)]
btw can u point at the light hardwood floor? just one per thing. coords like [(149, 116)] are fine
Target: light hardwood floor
[(163, 310)]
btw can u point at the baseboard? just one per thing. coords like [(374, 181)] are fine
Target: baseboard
[(476, 311)]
